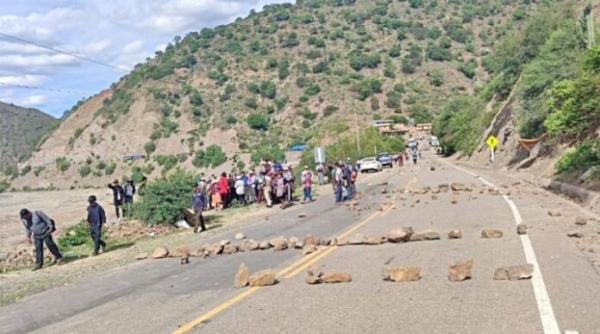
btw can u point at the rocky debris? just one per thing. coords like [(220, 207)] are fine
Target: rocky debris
[(135, 230), (554, 213), (293, 241), (455, 234), (262, 278), (435, 191), (456, 186), (309, 279), (384, 191), (443, 187), (494, 192), (357, 239), (375, 240), (580, 221), (302, 215), (241, 277), (248, 245), (420, 191), (230, 249), (453, 200), (313, 275), (184, 260), (524, 271), (224, 242), (264, 245), (490, 233), (402, 274), (434, 197), (425, 235), (214, 249), (432, 168), (279, 243), (575, 234), (400, 234), (336, 277), (240, 236), (197, 251), (307, 249), (310, 239), (522, 229), (160, 252), (181, 251), (141, 256), (460, 270)]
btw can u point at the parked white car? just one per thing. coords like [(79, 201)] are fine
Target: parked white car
[(370, 164)]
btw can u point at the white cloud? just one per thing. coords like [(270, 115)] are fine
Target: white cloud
[(26, 61), (22, 80), (33, 100), (134, 47), (41, 26), (20, 48), (96, 47)]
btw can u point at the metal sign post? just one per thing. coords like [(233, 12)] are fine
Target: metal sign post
[(492, 142)]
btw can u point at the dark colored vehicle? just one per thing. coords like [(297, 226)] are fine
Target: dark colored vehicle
[(385, 159)]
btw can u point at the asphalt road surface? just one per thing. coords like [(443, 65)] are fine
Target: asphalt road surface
[(162, 296)]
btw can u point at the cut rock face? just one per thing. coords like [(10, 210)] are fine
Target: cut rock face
[(160, 252), (402, 274), (460, 270), (524, 271), (262, 278), (455, 234), (491, 233), (338, 277), (400, 234), (241, 277)]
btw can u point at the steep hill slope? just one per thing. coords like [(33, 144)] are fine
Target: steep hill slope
[(227, 96), (20, 130)]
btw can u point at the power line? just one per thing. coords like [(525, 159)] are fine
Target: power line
[(59, 90), (74, 55)]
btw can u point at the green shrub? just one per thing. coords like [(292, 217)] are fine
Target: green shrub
[(581, 158), (312, 90), (38, 170), (266, 151), (75, 235), (110, 168), (258, 121), (25, 170), (4, 186), (167, 162), (251, 102), (268, 89), (165, 199), (212, 157), (85, 171), (329, 110), (230, 119), (436, 78), (150, 147), (63, 164), (196, 98)]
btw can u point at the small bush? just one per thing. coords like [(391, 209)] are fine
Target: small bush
[(212, 157), (329, 110), (63, 164), (150, 147), (110, 168), (85, 171), (75, 235), (258, 121)]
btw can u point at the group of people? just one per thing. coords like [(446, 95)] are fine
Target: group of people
[(272, 184)]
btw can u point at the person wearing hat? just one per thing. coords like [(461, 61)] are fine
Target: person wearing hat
[(40, 227), (118, 195), (307, 185), (96, 217)]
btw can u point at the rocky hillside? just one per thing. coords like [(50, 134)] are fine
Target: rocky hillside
[(225, 97), (20, 130)]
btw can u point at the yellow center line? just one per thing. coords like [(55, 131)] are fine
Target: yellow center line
[(291, 270)]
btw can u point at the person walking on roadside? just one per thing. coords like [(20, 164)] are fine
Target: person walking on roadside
[(199, 203), (280, 190), (288, 179), (307, 185), (338, 180), (224, 190), (118, 196), (347, 175), (39, 228), (268, 189), (96, 217), (128, 192)]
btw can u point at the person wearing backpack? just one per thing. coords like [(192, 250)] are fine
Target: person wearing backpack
[(128, 192), (39, 227)]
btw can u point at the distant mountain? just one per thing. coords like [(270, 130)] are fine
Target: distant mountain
[(20, 130)]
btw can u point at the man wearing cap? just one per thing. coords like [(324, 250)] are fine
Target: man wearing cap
[(96, 217), (118, 195), (39, 226)]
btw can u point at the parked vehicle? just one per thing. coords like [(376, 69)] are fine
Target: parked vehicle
[(370, 164), (385, 159)]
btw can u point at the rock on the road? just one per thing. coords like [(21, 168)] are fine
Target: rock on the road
[(262, 278), (160, 252), (308, 249), (580, 221), (554, 213), (241, 277), (400, 234), (240, 236), (279, 243), (575, 234), (141, 256), (425, 235), (455, 234), (402, 274), (310, 239), (248, 245), (524, 271), (336, 277), (491, 233), (460, 270), (230, 249), (264, 245), (375, 240), (522, 229), (357, 239)]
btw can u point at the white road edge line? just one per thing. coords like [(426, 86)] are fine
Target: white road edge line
[(542, 298)]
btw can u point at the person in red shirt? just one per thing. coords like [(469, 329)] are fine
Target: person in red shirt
[(224, 189)]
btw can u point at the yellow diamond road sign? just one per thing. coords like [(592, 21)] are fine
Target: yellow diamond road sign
[(492, 141)]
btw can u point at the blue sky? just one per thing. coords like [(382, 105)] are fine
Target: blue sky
[(121, 33)]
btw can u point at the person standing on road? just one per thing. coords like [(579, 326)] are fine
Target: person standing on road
[(414, 157), (307, 185), (353, 177), (199, 203), (347, 175), (268, 189), (240, 190), (96, 217), (118, 195), (40, 227), (224, 190), (320, 173), (338, 180)]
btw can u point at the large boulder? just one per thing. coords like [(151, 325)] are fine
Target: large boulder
[(309, 249), (336, 277), (402, 274), (400, 234), (230, 249), (460, 270), (523, 271), (455, 234), (248, 245), (214, 249), (425, 235), (241, 277), (279, 243), (160, 252), (240, 236), (262, 278)]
